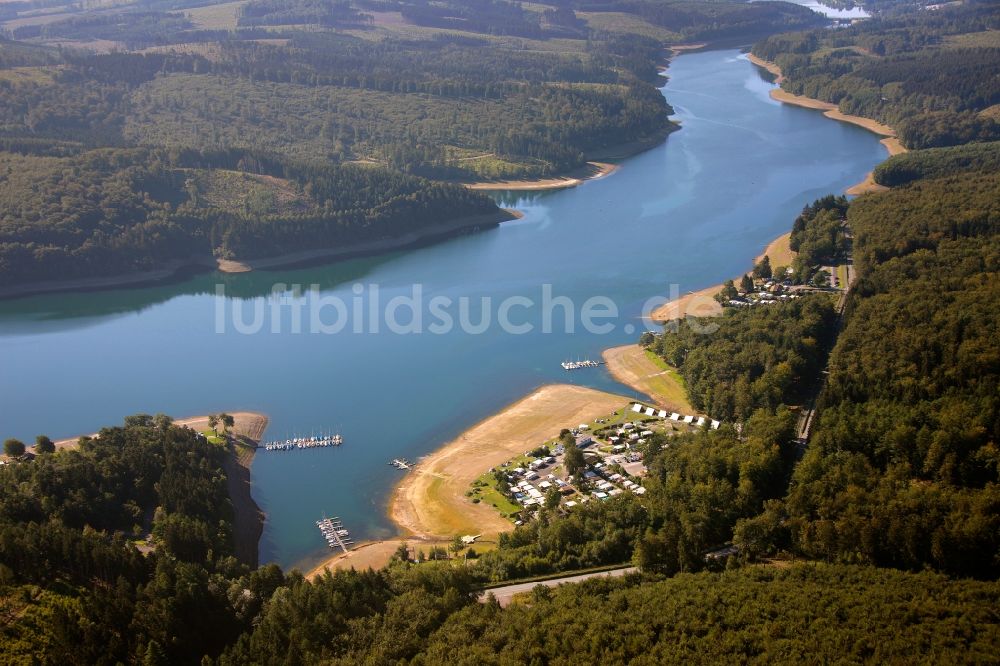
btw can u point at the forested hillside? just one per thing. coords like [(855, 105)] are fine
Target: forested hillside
[(74, 581), (755, 615), (937, 162), (114, 211), (932, 75), (75, 588), (902, 468), (324, 97), (876, 539)]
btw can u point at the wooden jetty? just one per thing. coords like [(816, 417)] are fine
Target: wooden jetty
[(334, 533)]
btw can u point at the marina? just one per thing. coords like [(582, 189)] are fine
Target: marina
[(314, 442), (334, 533), (576, 365)]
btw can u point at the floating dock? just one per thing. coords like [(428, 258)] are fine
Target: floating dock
[(304, 443), (334, 533), (576, 365)]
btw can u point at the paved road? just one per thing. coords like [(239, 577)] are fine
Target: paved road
[(506, 593)]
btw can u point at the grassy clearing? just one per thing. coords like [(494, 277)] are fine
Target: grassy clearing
[(649, 374), (37, 75), (488, 493), (391, 24), (984, 39), (620, 22), (486, 165), (212, 437), (248, 194), (215, 17), (779, 251)]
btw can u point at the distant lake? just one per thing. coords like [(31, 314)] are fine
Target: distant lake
[(855, 12), (691, 213)]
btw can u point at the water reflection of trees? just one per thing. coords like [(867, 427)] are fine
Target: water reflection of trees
[(518, 198), (64, 311)]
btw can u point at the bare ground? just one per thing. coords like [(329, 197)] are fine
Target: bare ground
[(591, 171), (429, 505)]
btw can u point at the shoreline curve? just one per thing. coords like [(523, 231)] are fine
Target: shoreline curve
[(891, 141), (429, 505)]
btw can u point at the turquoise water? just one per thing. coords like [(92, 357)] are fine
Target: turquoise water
[(688, 213)]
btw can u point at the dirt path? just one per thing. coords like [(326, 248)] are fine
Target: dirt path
[(504, 595)]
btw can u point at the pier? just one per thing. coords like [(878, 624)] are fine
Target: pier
[(304, 443), (334, 533)]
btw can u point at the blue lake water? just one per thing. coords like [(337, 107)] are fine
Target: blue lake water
[(689, 213)]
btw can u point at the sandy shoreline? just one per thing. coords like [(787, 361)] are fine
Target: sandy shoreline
[(591, 171), (702, 303), (891, 141), (246, 433), (831, 110), (429, 504)]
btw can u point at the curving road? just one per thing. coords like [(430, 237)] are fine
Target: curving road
[(506, 593)]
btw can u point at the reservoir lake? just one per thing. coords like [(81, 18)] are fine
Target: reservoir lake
[(685, 215)]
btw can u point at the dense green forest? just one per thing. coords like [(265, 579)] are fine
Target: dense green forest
[(755, 358), (820, 237), (933, 76), (74, 586), (112, 211), (902, 468), (937, 162), (345, 95), (441, 108), (753, 615), (76, 589)]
